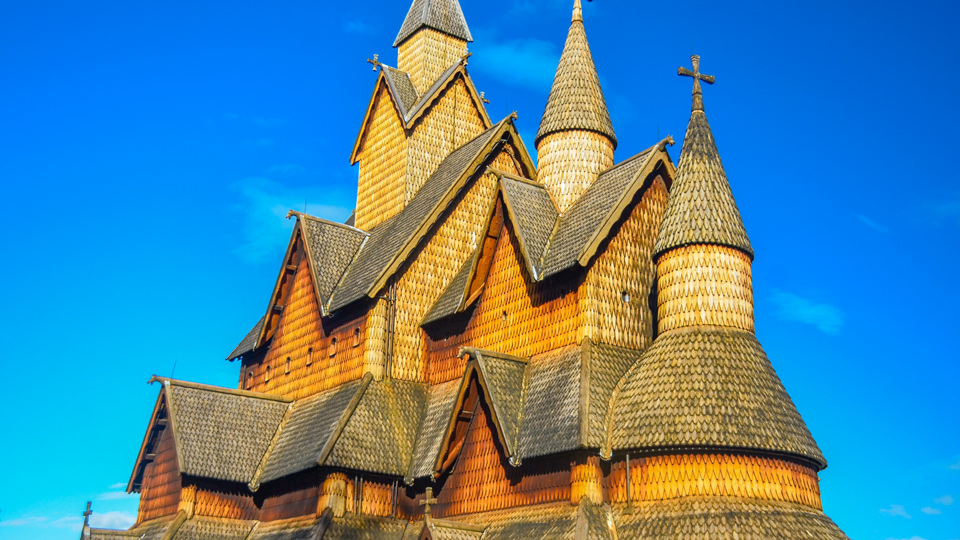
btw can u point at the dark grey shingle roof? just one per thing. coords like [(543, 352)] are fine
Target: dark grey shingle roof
[(579, 223), (707, 518), (309, 428), (332, 247), (707, 386), (222, 435), (248, 342), (379, 436), (701, 209), (443, 15), (533, 215), (441, 400), (551, 410), (214, 529), (401, 85)]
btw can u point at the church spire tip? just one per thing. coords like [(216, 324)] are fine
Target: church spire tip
[(577, 11), (697, 77)]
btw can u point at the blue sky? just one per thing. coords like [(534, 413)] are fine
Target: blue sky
[(151, 149)]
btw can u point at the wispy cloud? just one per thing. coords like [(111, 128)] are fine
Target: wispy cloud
[(946, 500), (115, 496), (895, 510), (955, 466), (24, 521), (264, 204), (791, 307), (118, 485), (871, 223), (112, 520), (358, 27), (529, 63), (930, 511), (43, 522), (911, 538)]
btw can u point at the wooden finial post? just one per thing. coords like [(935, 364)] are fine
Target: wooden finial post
[(375, 62), (465, 58), (428, 499), (86, 515), (697, 77), (483, 98)]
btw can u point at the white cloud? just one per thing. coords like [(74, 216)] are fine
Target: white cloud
[(871, 223), (119, 485), (264, 204), (825, 317), (112, 520), (115, 496), (895, 510), (21, 522), (946, 500), (930, 511), (955, 466)]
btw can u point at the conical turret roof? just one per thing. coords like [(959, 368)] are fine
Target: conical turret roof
[(441, 15), (701, 209), (576, 99)]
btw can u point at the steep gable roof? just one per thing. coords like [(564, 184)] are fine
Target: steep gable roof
[(219, 433), (442, 15), (391, 242), (410, 106), (248, 342)]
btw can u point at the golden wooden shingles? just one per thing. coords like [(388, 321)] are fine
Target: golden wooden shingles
[(427, 54), (383, 167), (705, 285)]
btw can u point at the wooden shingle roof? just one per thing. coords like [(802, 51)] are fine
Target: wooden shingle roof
[(701, 208), (703, 518), (442, 15), (707, 387), (576, 100)]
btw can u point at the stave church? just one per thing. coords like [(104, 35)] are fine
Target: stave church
[(492, 347)]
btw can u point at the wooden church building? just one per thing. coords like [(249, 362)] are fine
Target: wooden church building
[(493, 348)]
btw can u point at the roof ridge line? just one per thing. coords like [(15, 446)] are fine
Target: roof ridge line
[(167, 381), (494, 354), (344, 419), (305, 215), (254, 483)]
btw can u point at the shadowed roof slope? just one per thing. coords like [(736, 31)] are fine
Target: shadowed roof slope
[(576, 99), (707, 387), (442, 15)]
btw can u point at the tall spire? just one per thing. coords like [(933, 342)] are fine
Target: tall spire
[(701, 208), (576, 100), (442, 15)]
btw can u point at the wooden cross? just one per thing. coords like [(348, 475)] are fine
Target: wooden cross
[(427, 501), (375, 61), (697, 77), (86, 515)]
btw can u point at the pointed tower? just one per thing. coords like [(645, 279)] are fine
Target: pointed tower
[(576, 141), (433, 37), (705, 387)]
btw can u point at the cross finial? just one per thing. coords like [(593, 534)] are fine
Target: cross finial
[(697, 77), (86, 515), (427, 501), (375, 61)]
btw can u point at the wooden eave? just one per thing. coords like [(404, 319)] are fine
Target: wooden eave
[(423, 105), (531, 259), (276, 288), (138, 466), (469, 171), (656, 162), (475, 366)]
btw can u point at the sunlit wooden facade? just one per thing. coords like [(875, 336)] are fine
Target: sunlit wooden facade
[(491, 349)]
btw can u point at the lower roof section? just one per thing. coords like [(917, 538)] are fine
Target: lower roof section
[(691, 518)]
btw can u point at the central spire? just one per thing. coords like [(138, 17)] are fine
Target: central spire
[(433, 37), (576, 140)]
